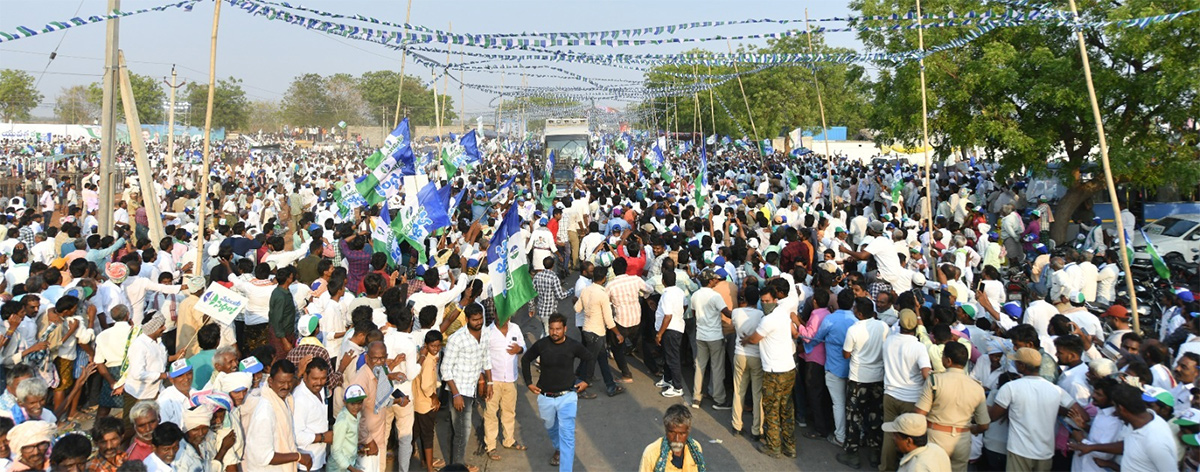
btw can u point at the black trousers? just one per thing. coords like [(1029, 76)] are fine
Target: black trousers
[(672, 345), (820, 405), (619, 349)]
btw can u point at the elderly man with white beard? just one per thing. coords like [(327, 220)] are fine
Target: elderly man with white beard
[(677, 451)]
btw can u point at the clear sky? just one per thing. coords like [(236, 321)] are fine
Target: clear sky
[(266, 55)]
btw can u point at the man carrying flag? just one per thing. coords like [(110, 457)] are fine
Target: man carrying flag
[(508, 266)]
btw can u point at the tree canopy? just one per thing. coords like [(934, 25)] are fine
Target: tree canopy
[(1019, 94), (315, 100), (148, 95), (231, 108), (18, 97), (781, 98)]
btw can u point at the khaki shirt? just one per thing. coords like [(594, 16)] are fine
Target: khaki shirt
[(953, 398), (931, 458)]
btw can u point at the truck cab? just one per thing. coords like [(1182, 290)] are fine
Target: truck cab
[(569, 139)]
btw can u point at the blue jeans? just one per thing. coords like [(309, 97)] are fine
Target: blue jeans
[(558, 414), (461, 422)]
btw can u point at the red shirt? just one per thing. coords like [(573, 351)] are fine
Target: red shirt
[(553, 227), (139, 450), (637, 264)]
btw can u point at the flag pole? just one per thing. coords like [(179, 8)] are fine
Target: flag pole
[(925, 125), (1108, 177), (821, 107), (437, 116), (462, 91), (139, 151), (712, 110), (445, 86), (202, 207), (403, 60), (738, 74)]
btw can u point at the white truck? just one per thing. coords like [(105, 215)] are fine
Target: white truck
[(568, 138)]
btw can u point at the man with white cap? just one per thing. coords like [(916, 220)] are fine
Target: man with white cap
[(173, 400), (908, 433), (194, 454), (237, 386)]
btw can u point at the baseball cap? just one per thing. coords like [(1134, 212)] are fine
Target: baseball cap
[(1151, 394), (1190, 417), (969, 309), (1012, 309), (1191, 439), (1077, 297), (179, 367), (876, 226), (1117, 311), (1185, 295), (59, 263), (1027, 356), (309, 324), (250, 365), (908, 424), (953, 291), (908, 319), (355, 394)]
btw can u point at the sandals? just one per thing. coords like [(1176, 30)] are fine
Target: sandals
[(439, 463), (516, 447), (554, 459), (493, 455)]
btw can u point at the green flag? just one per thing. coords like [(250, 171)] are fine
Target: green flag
[(665, 173), (373, 160), (1160, 265), (792, 179), (448, 163)]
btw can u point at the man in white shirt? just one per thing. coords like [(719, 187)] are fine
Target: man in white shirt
[(776, 340), (176, 398), (711, 311), (864, 408), (147, 366), (1106, 280), (270, 447), (505, 346), (747, 365), (669, 326), (1032, 406), (1147, 445), (905, 367), (433, 296), (402, 349), (313, 434)]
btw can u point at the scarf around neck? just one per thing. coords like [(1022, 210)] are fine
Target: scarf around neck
[(664, 455)]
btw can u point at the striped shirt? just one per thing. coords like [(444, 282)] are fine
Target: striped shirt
[(549, 292), (626, 291)]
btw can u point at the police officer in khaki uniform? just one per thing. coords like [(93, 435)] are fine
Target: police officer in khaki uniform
[(950, 401), (909, 434)]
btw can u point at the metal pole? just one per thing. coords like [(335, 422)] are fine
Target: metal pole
[(208, 112), (1108, 178), (403, 59), (108, 121)]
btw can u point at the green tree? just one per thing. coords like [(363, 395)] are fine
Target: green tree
[(265, 116), (345, 99), (379, 89), (781, 98), (17, 95), (73, 107), (148, 95), (1019, 94), (306, 102), (231, 108)]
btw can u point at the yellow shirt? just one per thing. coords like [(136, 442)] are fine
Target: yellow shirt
[(650, 458)]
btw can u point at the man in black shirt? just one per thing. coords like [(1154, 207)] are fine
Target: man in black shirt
[(557, 388)]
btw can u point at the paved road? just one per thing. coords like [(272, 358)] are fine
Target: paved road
[(612, 432)]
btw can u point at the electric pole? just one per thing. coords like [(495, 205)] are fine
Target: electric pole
[(108, 122)]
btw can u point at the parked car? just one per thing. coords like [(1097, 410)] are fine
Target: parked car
[(1176, 237)]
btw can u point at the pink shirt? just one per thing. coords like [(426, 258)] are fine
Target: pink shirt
[(817, 353)]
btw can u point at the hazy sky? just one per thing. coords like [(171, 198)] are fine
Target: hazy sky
[(266, 55)]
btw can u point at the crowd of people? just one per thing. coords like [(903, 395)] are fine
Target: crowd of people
[(794, 296)]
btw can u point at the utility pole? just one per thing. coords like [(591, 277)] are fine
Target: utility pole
[(108, 122), (145, 181), (171, 123)]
